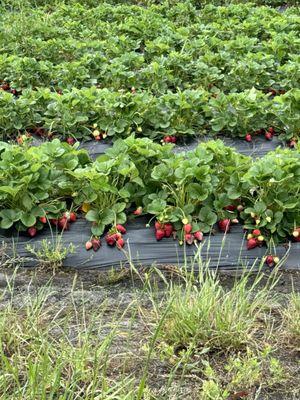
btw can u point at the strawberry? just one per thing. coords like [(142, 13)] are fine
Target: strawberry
[(20, 140), (173, 139), (138, 211), (158, 225), (133, 90), (54, 221), (235, 221), (88, 245), (270, 261), (63, 223), (256, 232), (110, 239), (98, 138), (296, 232), (167, 139), (248, 137), (251, 243), (268, 135), (271, 130), (224, 225), (189, 238), (43, 220), (120, 243), (159, 234), (73, 216), (240, 208), (70, 140), (121, 228), (5, 86), (168, 229), (199, 236), (260, 238), (292, 143), (231, 207), (96, 243), (187, 228), (32, 231)]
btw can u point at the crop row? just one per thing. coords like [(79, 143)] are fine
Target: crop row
[(227, 72), (16, 4), (191, 112), (140, 46), (186, 193)]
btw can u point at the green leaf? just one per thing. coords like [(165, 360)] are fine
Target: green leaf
[(207, 216), (92, 215), (197, 191), (28, 219)]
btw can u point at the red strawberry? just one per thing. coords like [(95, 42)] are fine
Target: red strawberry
[(158, 225), (168, 229), (88, 245), (167, 139), (268, 135), (159, 234), (256, 232), (252, 243), (110, 239), (43, 220), (120, 243), (173, 139), (96, 243), (121, 228), (32, 231), (248, 137), (70, 140), (224, 225), (271, 130), (73, 216), (138, 211), (231, 207), (187, 228), (189, 238), (5, 86), (199, 236), (54, 221), (98, 138), (270, 261), (63, 223)]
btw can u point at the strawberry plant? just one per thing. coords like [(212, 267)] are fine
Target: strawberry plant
[(272, 201)]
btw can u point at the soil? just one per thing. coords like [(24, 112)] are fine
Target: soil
[(93, 288)]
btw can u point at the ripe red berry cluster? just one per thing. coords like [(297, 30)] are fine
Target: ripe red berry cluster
[(269, 133), (62, 223)]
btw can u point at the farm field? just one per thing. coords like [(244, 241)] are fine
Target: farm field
[(150, 184), (144, 79)]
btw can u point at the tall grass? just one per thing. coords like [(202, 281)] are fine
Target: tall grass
[(207, 315), (167, 331)]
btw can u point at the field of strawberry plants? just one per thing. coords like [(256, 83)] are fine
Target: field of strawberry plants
[(148, 75)]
